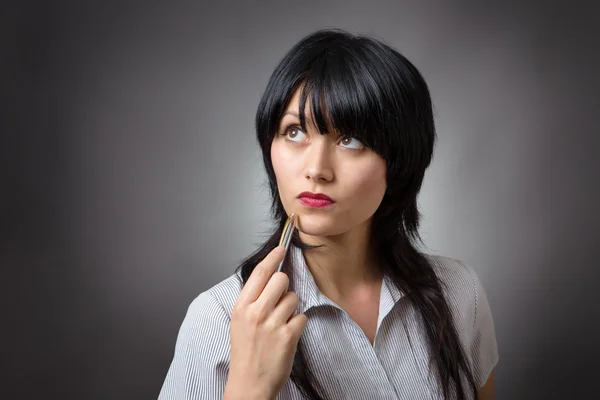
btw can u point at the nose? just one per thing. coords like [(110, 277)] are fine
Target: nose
[(318, 161)]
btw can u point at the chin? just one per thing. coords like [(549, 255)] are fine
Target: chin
[(318, 225)]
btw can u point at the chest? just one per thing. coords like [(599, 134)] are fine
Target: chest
[(363, 310), (350, 367), (366, 319)]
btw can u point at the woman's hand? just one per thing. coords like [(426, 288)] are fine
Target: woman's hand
[(264, 333)]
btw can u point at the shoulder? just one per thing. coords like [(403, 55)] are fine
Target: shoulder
[(469, 305), (219, 298), (208, 317), (454, 274), (462, 288), (201, 358)]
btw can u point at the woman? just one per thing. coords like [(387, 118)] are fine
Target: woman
[(346, 129)]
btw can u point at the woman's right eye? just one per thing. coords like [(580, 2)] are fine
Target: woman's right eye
[(294, 134)]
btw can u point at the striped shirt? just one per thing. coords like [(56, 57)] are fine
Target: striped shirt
[(337, 351)]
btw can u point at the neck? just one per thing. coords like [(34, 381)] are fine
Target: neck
[(345, 263)]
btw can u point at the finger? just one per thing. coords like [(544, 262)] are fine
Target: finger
[(297, 323), (260, 276), (275, 288), (285, 308)]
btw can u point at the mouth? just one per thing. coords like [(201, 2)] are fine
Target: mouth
[(315, 200)]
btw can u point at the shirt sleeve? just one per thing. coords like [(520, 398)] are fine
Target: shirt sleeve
[(484, 348), (200, 364)]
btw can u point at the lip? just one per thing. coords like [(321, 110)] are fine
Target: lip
[(319, 196), (315, 200)]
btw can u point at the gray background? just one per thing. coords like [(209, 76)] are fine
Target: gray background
[(132, 180)]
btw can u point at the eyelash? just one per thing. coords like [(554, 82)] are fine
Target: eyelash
[(287, 129)]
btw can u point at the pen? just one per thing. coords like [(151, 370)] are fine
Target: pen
[(286, 236)]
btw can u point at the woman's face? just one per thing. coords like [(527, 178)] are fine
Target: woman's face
[(353, 176)]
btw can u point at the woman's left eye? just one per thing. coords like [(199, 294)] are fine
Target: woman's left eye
[(346, 140)]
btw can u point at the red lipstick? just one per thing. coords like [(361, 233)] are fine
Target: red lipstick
[(315, 200)]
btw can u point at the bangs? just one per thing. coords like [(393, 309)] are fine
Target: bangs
[(356, 87), (345, 98)]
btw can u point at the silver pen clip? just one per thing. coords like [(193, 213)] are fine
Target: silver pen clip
[(286, 236)]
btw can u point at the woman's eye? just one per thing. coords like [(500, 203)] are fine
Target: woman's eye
[(294, 133), (356, 145)]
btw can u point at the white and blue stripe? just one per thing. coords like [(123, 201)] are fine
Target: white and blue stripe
[(339, 354)]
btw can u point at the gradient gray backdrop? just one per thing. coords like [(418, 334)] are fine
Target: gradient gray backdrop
[(133, 180)]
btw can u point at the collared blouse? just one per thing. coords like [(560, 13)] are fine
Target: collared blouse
[(339, 354)]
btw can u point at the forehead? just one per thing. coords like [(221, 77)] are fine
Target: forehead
[(293, 111), (294, 104)]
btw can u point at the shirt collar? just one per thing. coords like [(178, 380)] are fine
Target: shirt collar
[(310, 296)]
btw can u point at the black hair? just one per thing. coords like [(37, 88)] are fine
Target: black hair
[(363, 88)]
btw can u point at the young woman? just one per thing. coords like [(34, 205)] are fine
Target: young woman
[(346, 130)]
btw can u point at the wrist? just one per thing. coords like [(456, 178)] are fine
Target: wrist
[(244, 392)]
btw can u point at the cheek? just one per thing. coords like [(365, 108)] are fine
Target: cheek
[(370, 183), (283, 165), (279, 161)]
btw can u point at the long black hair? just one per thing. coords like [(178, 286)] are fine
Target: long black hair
[(361, 87)]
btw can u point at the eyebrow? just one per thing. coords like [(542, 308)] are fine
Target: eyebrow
[(295, 114), (292, 113)]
